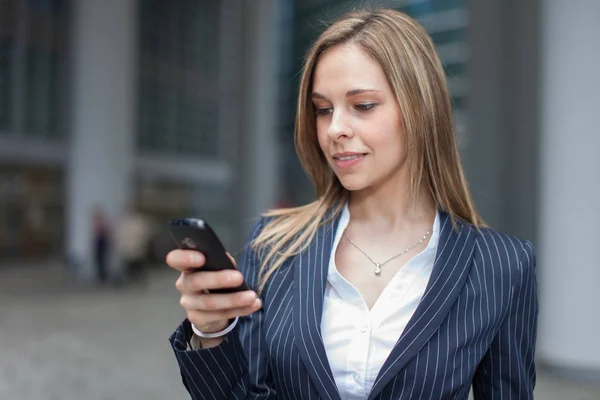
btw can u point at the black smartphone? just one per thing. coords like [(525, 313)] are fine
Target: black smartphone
[(196, 234)]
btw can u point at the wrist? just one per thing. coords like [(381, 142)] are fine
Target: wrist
[(212, 328), (216, 334), (209, 343)]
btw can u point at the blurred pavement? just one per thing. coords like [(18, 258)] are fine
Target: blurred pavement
[(59, 341)]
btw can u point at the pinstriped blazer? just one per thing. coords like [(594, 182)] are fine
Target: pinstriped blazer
[(475, 327)]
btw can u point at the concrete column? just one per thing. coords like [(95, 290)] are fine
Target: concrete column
[(569, 250), (257, 148), (500, 149), (102, 141)]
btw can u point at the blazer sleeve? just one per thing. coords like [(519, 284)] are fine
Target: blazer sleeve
[(507, 371), (238, 368)]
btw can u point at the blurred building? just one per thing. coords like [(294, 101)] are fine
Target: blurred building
[(186, 108)]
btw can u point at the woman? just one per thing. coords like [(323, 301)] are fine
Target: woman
[(388, 286)]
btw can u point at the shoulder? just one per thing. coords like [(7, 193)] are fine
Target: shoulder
[(265, 221), (503, 254), (280, 228), (258, 224), (503, 269), (495, 244)]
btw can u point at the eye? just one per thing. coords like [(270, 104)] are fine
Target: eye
[(323, 111), (365, 106)]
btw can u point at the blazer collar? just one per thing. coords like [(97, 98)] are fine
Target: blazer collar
[(310, 278), (453, 258), (450, 270)]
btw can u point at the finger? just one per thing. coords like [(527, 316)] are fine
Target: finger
[(206, 280), (232, 259), (203, 318), (218, 301), (184, 260)]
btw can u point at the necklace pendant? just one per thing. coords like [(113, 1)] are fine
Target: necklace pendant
[(377, 269)]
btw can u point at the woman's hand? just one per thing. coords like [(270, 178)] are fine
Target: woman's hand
[(210, 312)]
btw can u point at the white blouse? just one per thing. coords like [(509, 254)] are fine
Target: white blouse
[(358, 341)]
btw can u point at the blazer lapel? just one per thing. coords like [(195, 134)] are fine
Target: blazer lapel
[(310, 277), (451, 267)]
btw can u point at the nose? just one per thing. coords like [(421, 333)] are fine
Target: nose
[(339, 127)]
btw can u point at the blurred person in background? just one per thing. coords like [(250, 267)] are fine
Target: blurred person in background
[(101, 238), (133, 235), (387, 286)]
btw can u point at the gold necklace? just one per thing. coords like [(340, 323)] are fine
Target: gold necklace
[(378, 266)]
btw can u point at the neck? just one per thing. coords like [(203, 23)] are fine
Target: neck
[(391, 207)]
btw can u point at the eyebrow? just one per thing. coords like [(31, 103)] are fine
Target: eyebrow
[(349, 93)]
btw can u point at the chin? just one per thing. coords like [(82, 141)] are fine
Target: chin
[(353, 184)]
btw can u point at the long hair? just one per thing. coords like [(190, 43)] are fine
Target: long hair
[(415, 74)]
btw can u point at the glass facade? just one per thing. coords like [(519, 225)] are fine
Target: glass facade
[(33, 58), (7, 40), (31, 211), (5, 83), (180, 83), (179, 77), (180, 89), (32, 68), (212, 202)]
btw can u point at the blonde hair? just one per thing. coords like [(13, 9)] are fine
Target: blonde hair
[(412, 67)]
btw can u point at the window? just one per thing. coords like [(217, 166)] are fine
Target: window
[(32, 55), (31, 210), (7, 33), (179, 77)]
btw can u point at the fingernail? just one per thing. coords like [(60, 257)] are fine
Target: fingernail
[(235, 276), (257, 303), (195, 258), (249, 296)]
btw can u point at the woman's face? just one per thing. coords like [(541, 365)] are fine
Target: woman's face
[(358, 119)]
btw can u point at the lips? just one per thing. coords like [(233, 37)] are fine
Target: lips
[(347, 156), (347, 159)]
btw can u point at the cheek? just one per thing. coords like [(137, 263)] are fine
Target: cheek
[(383, 137), (322, 136), (388, 141)]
